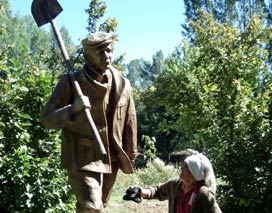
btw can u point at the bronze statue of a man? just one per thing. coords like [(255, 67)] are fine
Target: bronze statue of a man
[(108, 95)]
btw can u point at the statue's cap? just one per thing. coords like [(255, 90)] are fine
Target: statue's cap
[(97, 39)]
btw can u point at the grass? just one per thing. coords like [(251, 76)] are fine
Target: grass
[(154, 173)]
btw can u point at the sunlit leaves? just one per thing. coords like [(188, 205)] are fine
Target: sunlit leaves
[(97, 9), (217, 99), (29, 154)]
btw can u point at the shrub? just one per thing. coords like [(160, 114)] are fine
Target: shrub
[(30, 176)]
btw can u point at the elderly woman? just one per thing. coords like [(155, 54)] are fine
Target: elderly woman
[(193, 191)]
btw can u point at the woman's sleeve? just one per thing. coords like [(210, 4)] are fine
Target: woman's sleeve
[(164, 191), (208, 201)]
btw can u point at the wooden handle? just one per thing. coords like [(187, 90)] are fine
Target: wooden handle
[(89, 117), (95, 132), (75, 83)]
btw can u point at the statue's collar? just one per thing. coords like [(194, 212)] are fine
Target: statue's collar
[(92, 72)]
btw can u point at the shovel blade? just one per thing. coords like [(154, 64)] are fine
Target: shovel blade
[(44, 11)]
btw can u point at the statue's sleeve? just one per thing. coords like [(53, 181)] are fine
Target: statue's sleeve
[(57, 111)]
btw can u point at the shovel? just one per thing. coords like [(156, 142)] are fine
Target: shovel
[(45, 11)]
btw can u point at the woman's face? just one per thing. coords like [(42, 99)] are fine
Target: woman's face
[(185, 174)]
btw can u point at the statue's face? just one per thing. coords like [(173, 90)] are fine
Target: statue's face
[(99, 58)]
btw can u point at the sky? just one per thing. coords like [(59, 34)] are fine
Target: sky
[(144, 26)]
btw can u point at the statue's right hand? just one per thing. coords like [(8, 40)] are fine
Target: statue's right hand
[(80, 103)]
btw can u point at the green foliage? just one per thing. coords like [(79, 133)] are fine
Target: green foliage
[(149, 147), (3, 9), (169, 90), (142, 75), (29, 154), (216, 98), (137, 74), (31, 179), (97, 9), (236, 94), (156, 172), (232, 12)]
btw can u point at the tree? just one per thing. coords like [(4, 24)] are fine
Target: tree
[(163, 102), (97, 9), (216, 98), (136, 73), (29, 153), (142, 75), (233, 12)]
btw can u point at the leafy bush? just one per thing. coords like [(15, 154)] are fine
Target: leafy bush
[(217, 99), (156, 172), (31, 179)]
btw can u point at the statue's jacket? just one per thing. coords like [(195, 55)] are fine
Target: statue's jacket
[(113, 112)]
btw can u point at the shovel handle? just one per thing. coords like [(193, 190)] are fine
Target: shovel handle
[(61, 45), (76, 86), (89, 116)]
